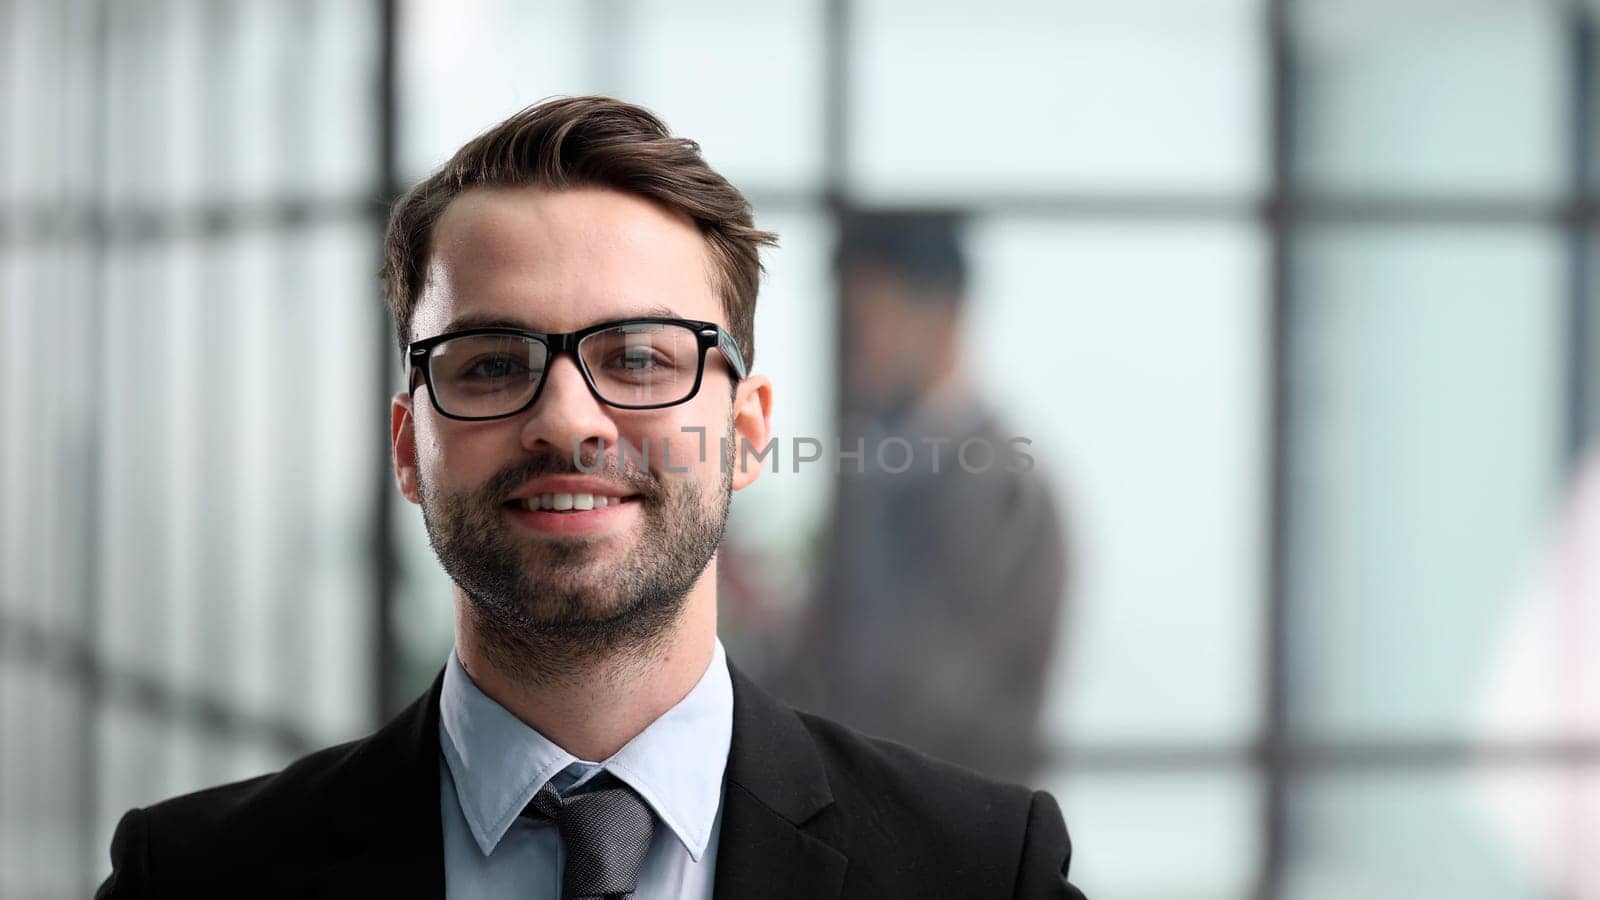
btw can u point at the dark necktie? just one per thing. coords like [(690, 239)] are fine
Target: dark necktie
[(606, 832)]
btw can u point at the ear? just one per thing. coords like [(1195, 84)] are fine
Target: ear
[(403, 438), (752, 423)]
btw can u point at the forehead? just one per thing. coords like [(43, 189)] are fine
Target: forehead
[(557, 260)]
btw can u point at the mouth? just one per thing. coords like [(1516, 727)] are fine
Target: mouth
[(574, 515), (570, 503)]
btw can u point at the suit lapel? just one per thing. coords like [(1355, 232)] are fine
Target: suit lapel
[(385, 837), (775, 784)]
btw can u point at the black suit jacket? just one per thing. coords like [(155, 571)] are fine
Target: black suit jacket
[(811, 810)]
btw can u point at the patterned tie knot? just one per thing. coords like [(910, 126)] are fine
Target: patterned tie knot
[(606, 832)]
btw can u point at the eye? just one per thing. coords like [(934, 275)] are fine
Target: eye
[(638, 358), (494, 366)]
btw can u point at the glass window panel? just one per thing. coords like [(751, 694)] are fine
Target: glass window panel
[(16, 709), (215, 435), (185, 755), (134, 569), (340, 403), (743, 79), (76, 403), (47, 496), (1025, 95), (183, 357), (1202, 826), (21, 318), (17, 321), (57, 733), (1427, 448), (134, 115), (283, 401), (152, 67), (211, 753), (47, 147), (26, 791), (15, 74), (1132, 356), (282, 425), (131, 757), (795, 340), (258, 519), (246, 758), (36, 38), (1399, 98), (1395, 836), (767, 564), (178, 130), (76, 153), (467, 65), (337, 629), (340, 109), (251, 53), (464, 70)]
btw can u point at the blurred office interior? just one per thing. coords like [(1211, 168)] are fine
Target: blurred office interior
[(1295, 300)]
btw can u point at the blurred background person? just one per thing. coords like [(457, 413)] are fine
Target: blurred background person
[(936, 617)]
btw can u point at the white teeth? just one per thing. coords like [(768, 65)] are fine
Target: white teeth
[(566, 502)]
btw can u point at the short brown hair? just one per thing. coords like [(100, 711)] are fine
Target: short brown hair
[(571, 142)]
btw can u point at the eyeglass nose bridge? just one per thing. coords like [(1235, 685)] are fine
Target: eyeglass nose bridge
[(558, 345), (562, 343)]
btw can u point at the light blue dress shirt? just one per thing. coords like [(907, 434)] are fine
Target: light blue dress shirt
[(492, 765)]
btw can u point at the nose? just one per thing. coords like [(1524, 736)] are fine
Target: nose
[(567, 417)]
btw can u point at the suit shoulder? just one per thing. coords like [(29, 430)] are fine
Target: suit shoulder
[(916, 813), (914, 820), (279, 825), (205, 823), (893, 771)]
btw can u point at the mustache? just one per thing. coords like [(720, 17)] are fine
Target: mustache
[(509, 478)]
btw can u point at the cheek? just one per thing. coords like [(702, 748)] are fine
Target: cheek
[(457, 456), (687, 453), (673, 455), (699, 451)]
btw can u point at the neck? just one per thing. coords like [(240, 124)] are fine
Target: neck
[(600, 703)]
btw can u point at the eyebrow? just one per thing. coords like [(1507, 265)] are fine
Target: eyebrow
[(480, 320), (462, 323)]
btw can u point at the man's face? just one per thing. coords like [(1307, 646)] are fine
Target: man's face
[(896, 345), (557, 261)]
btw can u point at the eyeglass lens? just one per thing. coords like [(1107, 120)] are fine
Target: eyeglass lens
[(638, 364)]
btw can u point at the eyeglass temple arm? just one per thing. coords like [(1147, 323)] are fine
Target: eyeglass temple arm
[(730, 351), (410, 365)]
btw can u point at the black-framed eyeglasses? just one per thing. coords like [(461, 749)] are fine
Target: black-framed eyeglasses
[(644, 363)]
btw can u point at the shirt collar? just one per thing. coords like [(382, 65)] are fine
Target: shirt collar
[(676, 764)]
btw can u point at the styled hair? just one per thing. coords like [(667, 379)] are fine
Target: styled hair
[(921, 247), (574, 142)]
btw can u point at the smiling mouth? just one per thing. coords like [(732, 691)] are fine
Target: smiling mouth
[(570, 502)]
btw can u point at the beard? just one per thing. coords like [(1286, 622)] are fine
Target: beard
[(547, 609)]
